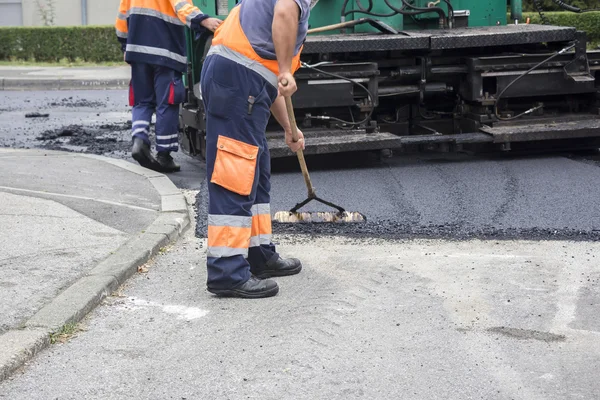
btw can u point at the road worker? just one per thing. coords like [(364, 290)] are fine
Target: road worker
[(255, 49), (152, 36)]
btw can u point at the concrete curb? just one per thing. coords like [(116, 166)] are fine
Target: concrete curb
[(19, 346), (26, 84)]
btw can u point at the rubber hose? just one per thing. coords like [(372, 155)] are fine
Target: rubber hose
[(438, 10), (403, 12), (566, 6), (361, 8)]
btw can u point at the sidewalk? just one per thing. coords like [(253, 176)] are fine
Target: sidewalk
[(74, 227), (63, 78)]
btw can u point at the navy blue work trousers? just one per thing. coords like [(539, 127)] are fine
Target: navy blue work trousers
[(160, 90), (238, 104)]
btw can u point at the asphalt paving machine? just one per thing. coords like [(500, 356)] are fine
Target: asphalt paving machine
[(440, 75)]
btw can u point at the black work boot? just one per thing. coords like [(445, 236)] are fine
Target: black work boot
[(142, 154), (166, 162), (279, 267), (254, 288)]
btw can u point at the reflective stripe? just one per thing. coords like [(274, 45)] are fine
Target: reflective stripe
[(121, 34), (145, 123), (180, 5), (258, 209), (245, 61), (261, 224), (256, 241), (229, 220), (122, 16), (226, 252), (228, 236), (167, 137), (139, 130), (153, 13), (157, 52), (169, 145), (192, 15)]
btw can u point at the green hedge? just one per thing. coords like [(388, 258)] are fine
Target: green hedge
[(550, 5), (100, 44), (53, 44), (588, 22)]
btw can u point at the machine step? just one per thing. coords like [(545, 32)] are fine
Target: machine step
[(337, 141), (574, 128), (334, 141)]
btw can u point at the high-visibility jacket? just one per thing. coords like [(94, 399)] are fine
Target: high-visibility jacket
[(231, 42), (153, 31)]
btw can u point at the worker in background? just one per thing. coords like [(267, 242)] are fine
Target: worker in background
[(152, 35), (255, 49)]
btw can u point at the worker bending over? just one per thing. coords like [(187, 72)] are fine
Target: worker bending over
[(152, 35), (253, 51)]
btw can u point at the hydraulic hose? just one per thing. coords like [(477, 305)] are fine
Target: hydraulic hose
[(450, 13), (497, 114), (567, 7), (395, 10), (362, 10), (438, 10)]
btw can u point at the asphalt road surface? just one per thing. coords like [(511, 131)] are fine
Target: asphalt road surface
[(412, 304), (445, 196)]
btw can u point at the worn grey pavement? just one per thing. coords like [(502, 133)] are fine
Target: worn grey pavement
[(374, 319), (61, 215), (63, 78), (72, 227)]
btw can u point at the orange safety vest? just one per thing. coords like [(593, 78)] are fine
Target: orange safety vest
[(231, 35)]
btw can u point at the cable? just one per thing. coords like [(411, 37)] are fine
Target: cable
[(369, 13), (362, 10), (521, 76), (572, 8), (419, 10), (395, 11), (450, 11), (538, 6), (424, 10), (349, 80), (360, 7), (565, 6)]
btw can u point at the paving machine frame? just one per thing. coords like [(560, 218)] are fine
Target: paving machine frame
[(465, 79)]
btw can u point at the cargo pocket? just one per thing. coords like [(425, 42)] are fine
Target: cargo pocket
[(235, 165), (176, 91), (131, 95)]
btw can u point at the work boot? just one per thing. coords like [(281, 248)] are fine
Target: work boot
[(254, 288), (166, 162), (278, 266), (142, 154)]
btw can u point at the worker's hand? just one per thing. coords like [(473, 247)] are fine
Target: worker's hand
[(211, 23), (295, 146), (287, 84)]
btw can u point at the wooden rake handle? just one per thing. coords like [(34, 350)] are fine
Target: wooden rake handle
[(292, 118)]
